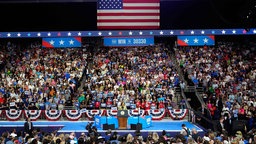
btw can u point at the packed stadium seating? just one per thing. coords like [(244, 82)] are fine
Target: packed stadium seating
[(142, 77)]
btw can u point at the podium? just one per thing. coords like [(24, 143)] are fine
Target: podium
[(122, 116)]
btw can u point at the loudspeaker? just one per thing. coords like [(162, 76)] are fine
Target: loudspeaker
[(137, 126), (108, 126)]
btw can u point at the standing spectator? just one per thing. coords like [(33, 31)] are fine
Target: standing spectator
[(220, 126), (185, 131), (195, 134), (28, 126), (182, 85)]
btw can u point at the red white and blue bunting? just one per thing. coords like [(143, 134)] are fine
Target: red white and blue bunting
[(156, 114), (91, 113), (110, 112), (136, 112), (33, 114), (13, 115), (181, 113), (73, 115), (53, 115)]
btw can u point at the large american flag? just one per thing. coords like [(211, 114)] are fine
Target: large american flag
[(128, 14)]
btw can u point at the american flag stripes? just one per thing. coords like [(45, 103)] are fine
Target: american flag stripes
[(128, 14)]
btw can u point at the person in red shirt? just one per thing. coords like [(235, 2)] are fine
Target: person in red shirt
[(97, 105), (109, 102), (161, 105), (2, 100), (147, 105), (143, 103), (138, 103), (153, 104)]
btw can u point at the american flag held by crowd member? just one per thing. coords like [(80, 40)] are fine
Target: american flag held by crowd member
[(128, 14)]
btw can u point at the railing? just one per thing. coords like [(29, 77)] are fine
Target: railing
[(177, 66), (186, 103), (200, 119), (190, 89), (199, 92)]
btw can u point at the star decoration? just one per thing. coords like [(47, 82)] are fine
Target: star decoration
[(130, 33), (61, 42), (195, 40), (52, 42), (71, 42), (205, 40), (186, 40)]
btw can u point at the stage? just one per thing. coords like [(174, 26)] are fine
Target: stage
[(170, 126)]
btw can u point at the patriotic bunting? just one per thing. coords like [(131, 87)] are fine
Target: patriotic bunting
[(75, 115)]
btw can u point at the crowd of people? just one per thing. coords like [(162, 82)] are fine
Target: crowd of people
[(46, 79), (92, 136), (227, 73), (36, 78), (143, 77)]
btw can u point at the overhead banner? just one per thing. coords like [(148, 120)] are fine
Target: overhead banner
[(61, 42), (196, 40), (128, 41)]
